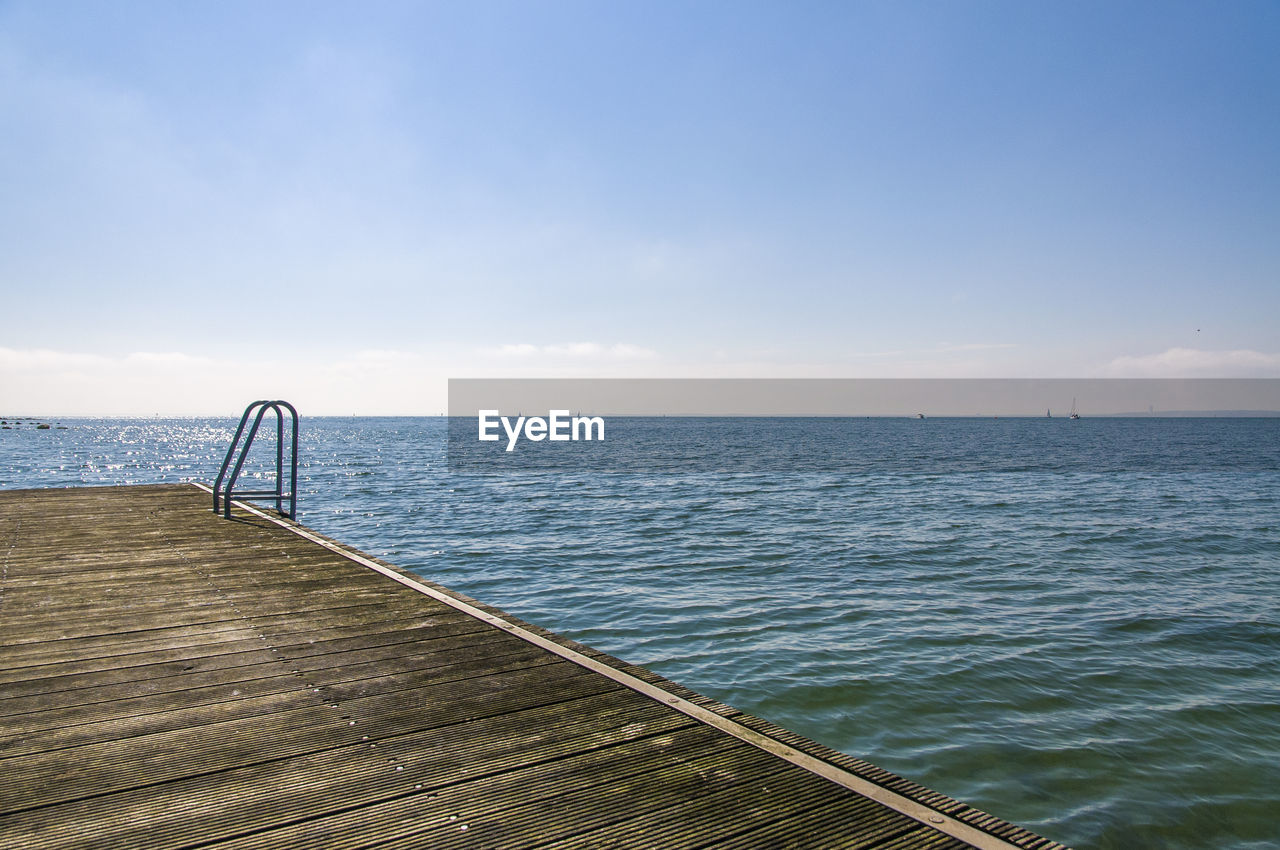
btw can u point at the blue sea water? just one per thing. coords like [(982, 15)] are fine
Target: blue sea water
[(1072, 625)]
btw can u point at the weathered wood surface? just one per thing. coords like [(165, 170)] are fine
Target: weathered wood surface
[(172, 679)]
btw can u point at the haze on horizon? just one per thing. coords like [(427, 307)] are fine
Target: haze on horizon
[(206, 204)]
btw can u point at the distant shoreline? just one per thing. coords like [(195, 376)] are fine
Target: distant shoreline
[(1158, 414)]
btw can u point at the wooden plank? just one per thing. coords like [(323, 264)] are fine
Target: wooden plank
[(274, 794), (170, 679), (209, 740), (202, 658), (21, 715), (374, 702)]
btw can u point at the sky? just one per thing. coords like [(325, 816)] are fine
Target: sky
[(345, 205)]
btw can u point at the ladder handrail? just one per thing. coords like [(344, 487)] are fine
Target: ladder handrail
[(222, 498)]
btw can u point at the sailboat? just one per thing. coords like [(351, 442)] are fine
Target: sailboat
[(1073, 415)]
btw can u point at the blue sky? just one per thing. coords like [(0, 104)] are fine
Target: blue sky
[(202, 204)]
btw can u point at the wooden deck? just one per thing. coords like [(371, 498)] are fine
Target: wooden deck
[(172, 679)]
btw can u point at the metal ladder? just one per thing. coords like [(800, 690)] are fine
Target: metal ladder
[(222, 497)]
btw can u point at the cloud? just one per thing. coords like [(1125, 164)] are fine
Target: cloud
[(13, 359), (592, 350), (520, 350), (382, 357), (167, 360), (1196, 363), (46, 382), (940, 356), (939, 348), (49, 382), (946, 347)]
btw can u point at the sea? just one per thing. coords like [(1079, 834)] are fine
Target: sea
[(1074, 625)]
